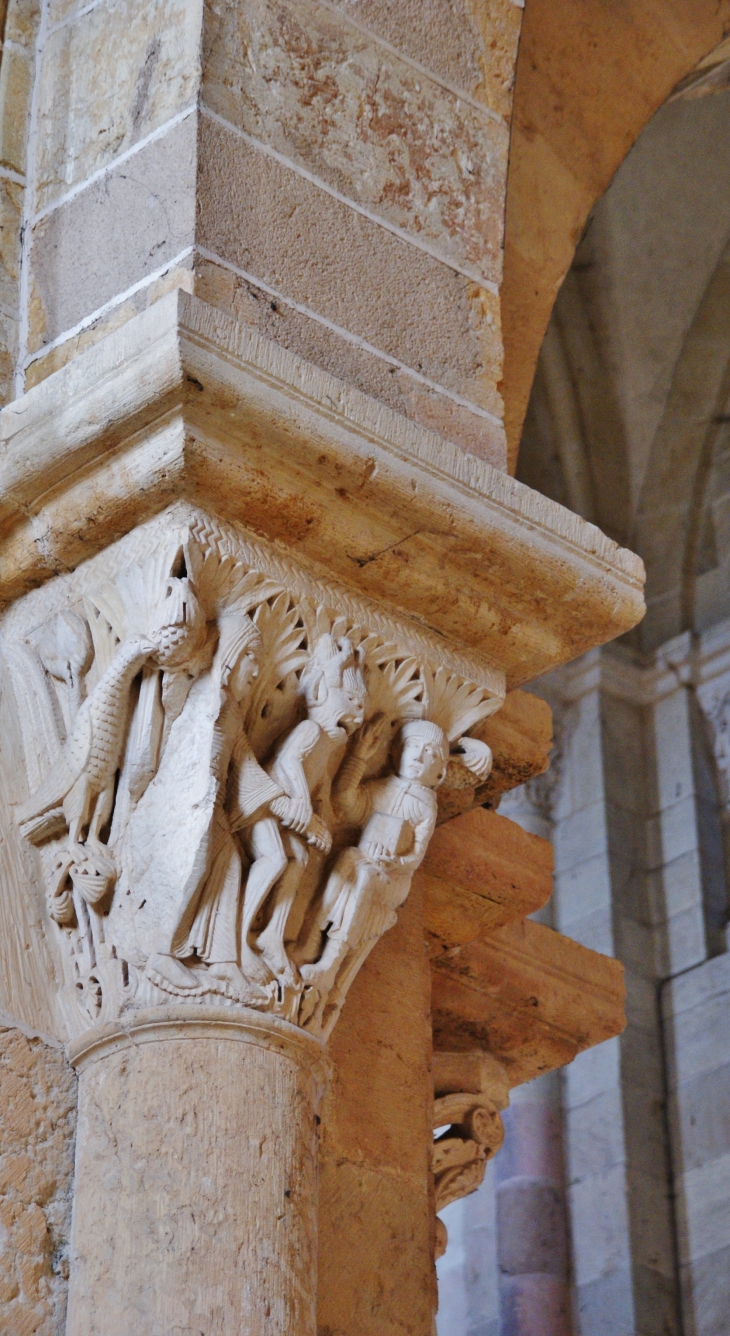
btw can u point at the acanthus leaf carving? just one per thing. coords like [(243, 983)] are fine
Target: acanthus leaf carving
[(231, 772)]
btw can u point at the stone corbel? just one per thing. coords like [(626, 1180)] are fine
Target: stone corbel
[(470, 1090)]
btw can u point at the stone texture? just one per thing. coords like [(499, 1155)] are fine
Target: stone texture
[(93, 109), (196, 1182), (315, 89), (320, 253), (37, 1124), (84, 253), (465, 43), (347, 359), (375, 1255)]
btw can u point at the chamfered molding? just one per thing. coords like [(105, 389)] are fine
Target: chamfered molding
[(184, 402)]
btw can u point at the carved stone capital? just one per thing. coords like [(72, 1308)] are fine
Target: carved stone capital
[(226, 772)]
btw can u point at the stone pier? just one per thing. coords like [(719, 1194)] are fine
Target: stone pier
[(270, 599)]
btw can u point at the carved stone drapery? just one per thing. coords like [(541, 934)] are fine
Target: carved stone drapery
[(231, 771)]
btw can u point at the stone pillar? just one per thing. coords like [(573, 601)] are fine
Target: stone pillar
[(196, 1181), (264, 578), (532, 1235)]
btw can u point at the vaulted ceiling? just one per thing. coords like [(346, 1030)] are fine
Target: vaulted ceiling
[(629, 417)]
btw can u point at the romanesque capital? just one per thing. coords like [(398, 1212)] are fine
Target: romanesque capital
[(230, 771)]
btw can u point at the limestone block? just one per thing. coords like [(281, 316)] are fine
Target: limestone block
[(332, 262), (593, 1072), (472, 46), (582, 888), (349, 360), (375, 1251), (322, 93), (699, 1113), (481, 871), (37, 1125), (539, 997), (91, 109), (599, 1215), (11, 207), (611, 1293), (16, 82), (85, 253), (584, 830), (704, 1209), (520, 737), (707, 1288)]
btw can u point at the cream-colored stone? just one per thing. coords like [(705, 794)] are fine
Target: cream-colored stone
[(205, 1212), (85, 254), (16, 79), (308, 84), (333, 263), (92, 108), (406, 518), (37, 1126)]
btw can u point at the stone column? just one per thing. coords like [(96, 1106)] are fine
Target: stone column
[(196, 1196), (264, 577)]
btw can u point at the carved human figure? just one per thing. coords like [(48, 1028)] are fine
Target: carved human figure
[(335, 693), (368, 883), (205, 925)]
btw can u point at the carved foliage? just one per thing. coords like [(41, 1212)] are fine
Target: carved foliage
[(230, 780), (470, 1090)]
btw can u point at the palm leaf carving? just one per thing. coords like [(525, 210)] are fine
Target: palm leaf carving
[(274, 703), (452, 703)]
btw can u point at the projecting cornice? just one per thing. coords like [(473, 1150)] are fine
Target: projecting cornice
[(184, 402)]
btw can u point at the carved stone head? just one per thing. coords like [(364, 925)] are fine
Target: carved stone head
[(422, 751), (334, 687)]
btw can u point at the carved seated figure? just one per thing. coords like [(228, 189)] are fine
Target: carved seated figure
[(369, 883)]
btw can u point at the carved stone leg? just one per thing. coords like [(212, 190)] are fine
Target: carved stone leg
[(196, 1199)]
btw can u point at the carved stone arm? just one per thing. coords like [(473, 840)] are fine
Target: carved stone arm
[(351, 798)]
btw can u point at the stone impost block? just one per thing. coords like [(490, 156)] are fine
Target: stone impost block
[(182, 401), (532, 997), (481, 871)]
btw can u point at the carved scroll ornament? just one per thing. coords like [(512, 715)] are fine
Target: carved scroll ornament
[(231, 773), (470, 1090)]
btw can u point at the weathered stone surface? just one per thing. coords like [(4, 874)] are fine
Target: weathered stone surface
[(92, 107), (468, 43), (37, 1123), (274, 225), (16, 81), (85, 253), (481, 871), (196, 1196), (305, 82), (375, 1259), (11, 206), (538, 996), (350, 361)]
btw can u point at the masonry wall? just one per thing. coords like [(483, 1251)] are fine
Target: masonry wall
[(331, 173)]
